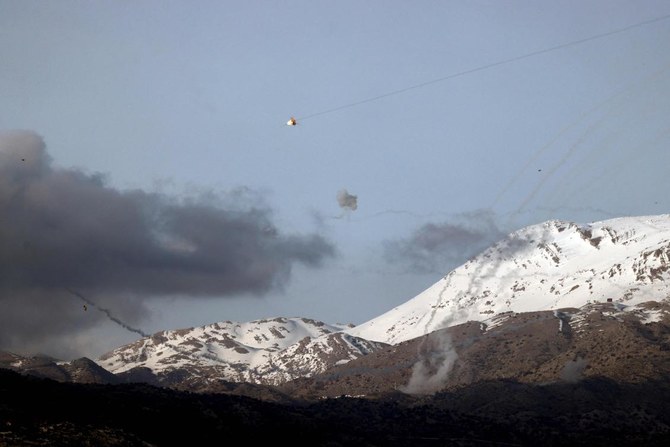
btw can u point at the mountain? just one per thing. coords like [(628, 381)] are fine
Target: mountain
[(558, 335), (269, 351), (82, 370), (596, 341), (547, 266), (593, 412)]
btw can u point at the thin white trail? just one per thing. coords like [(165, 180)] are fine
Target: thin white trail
[(485, 67), (590, 130)]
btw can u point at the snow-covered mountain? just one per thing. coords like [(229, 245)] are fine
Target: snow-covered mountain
[(262, 351), (547, 266)]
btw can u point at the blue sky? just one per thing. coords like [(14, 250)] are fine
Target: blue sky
[(190, 99)]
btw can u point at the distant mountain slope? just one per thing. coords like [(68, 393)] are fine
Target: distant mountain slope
[(541, 267), (605, 340), (549, 266), (82, 370), (262, 351)]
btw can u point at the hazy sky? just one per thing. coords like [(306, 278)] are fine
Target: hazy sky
[(146, 165)]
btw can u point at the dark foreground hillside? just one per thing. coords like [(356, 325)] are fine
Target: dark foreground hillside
[(37, 411)]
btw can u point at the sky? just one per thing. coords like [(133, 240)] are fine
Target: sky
[(148, 179)]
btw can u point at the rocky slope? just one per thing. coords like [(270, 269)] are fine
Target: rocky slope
[(592, 412), (625, 344), (81, 370)]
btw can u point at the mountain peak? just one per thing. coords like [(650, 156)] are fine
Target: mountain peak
[(551, 265), (267, 351)]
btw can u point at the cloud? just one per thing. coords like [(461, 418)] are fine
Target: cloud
[(436, 247), (63, 228)]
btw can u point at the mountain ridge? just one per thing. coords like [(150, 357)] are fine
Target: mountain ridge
[(267, 351), (556, 269), (545, 266)]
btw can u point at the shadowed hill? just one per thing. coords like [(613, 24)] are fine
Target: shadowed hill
[(43, 412)]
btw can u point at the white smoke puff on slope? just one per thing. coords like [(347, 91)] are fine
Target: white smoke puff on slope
[(573, 370), (430, 373)]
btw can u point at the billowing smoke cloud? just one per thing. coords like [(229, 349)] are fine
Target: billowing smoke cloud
[(436, 247), (64, 229)]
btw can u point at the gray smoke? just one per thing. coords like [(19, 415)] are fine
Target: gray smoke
[(63, 228), (347, 201), (436, 359), (437, 247), (573, 370), (108, 313)]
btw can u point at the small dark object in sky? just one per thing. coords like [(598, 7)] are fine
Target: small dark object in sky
[(85, 308)]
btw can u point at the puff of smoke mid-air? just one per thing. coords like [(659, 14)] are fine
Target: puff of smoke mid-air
[(347, 201)]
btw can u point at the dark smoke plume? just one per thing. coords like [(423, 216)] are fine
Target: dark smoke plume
[(108, 313), (63, 228), (437, 247)]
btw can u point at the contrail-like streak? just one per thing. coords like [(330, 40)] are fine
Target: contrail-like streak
[(609, 110), (488, 66), (108, 313)]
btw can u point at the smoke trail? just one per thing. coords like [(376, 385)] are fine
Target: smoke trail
[(610, 172), (618, 153), (532, 160), (487, 66), (553, 169), (108, 313), (609, 105), (569, 127)]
